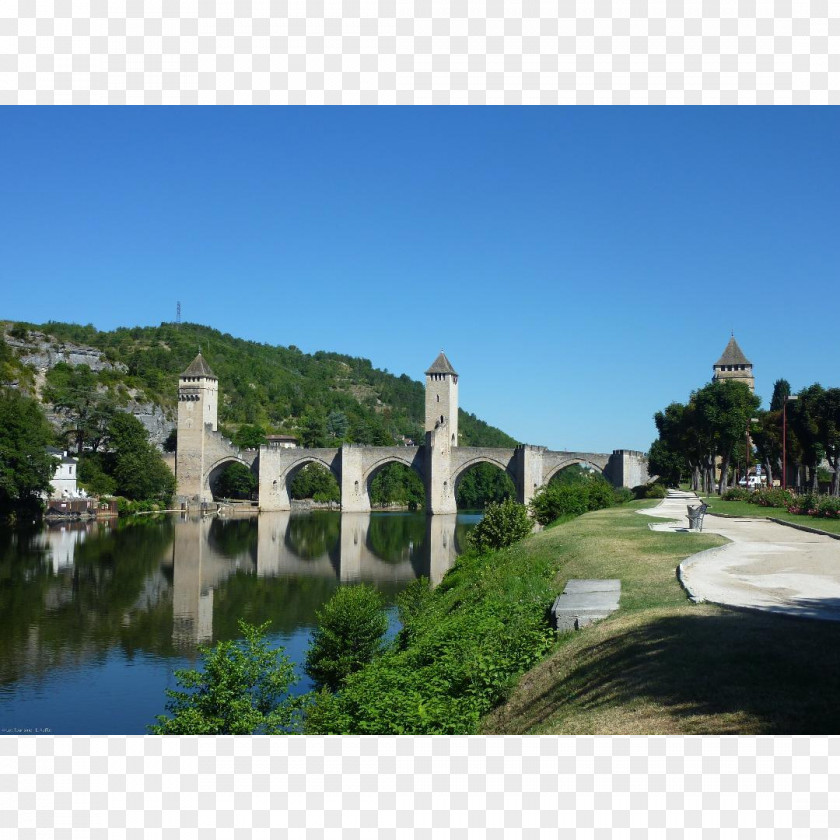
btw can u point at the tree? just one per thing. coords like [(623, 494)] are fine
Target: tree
[(337, 424), (249, 437), (26, 468), (828, 427), (503, 524), (243, 690), (236, 482), (781, 391), (314, 432), (348, 636), (803, 420), (723, 412), (74, 391), (138, 469)]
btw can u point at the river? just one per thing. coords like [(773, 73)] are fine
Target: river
[(95, 617)]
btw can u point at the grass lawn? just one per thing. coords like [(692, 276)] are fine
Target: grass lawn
[(717, 505), (661, 664)]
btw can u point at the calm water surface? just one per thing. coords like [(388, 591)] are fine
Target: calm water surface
[(94, 618)]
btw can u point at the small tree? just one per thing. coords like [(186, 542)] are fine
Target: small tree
[(243, 690), (349, 634), (503, 524)]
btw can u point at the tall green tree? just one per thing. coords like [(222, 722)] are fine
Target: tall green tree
[(26, 468), (138, 468), (75, 393), (804, 422), (828, 427)]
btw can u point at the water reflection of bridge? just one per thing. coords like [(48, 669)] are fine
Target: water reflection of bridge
[(347, 548)]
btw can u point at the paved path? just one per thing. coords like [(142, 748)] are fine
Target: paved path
[(766, 566)]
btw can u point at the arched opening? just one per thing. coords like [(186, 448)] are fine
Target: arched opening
[(575, 472), (395, 485), (482, 483), (314, 482), (233, 479)]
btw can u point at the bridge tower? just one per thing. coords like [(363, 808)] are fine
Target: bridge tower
[(442, 397), (441, 434), (198, 407)]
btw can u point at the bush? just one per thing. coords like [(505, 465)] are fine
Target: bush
[(621, 495), (829, 507), (243, 690), (655, 491), (503, 524), (556, 500), (349, 635), (737, 494), (774, 497)]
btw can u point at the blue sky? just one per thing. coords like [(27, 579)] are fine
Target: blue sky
[(581, 267)]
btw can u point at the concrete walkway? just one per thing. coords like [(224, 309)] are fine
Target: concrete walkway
[(766, 566)]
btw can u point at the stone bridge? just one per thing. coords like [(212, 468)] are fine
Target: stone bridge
[(202, 453), (440, 469)]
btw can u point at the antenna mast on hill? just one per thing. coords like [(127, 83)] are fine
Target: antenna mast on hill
[(178, 313)]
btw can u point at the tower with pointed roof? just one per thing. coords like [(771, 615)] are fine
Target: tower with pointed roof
[(442, 398), (733, 364), (198, 407)]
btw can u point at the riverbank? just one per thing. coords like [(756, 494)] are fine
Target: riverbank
[(662, 665)]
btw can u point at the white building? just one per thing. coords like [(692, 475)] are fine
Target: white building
[(65, 476)]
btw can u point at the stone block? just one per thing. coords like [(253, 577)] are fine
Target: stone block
[(585, 601)]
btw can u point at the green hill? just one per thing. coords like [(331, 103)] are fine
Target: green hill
[(280, 389)]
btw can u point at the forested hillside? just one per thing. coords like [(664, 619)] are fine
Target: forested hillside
[(323, 398)]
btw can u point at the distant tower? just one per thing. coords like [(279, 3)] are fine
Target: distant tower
[(442, 397), (733, 364), (198, 407)]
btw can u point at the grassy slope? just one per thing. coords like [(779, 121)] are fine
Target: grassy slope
[(717, 505), (661, 664)]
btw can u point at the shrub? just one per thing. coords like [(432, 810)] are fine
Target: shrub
[(621, 495), (243, 690), (656, 491), (503, 524), (775, 497), (829, 507), (556, 500), (737, 494), (349, 634)]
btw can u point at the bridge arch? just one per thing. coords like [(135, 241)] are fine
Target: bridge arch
[(287, 476), (213, 473), (569, 463), (507, 467), (372, 470)]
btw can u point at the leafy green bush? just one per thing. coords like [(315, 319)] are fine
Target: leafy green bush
[(503, 524), (349, 634), (621, 495), (774, 497), (556, 500), (737, 494), (243, 690), (829, 507), (656, 491)]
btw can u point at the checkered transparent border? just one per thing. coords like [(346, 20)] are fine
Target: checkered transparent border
[(432, 52), (600, 787)]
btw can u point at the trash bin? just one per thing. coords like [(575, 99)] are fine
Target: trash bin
[(694, 517)]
